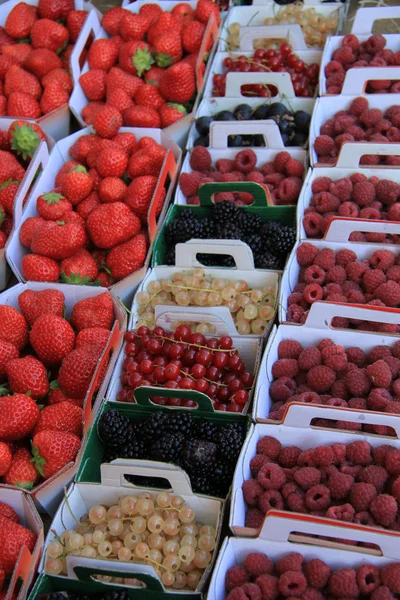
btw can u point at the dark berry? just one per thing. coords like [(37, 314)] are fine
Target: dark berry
[(203, 125), (242, 112)]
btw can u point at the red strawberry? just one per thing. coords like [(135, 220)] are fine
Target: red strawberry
[(93, 83), (53, 97), (8, 191), (19, 52), (20, 20), (183, 12), (119, 100), (133, 26), (52, 450), (140, 193), (135, 57), (64, 169), (107, 122), (5, 38), (166, 23), (111, 163), (206, 8), (103, 54), (126, 140), (60, 76), (148, 95), (80, 269), (111, 224), (33, 304), (168, 48), (13, 537), (41, 61), (55, 9), (23, 105), (112, 189), (7, 352), (52, 338), (13, 327), (152, 12), (57, 395), (52, 206), (19, 415), (93, 336), (27, 229), (142, 116), (81, 148), (170, 113), (147, 161), (93, 312), (153, 75), (75, 22), (3, 238), (39, 268), (49, 34), (7, 511), (27, 376), (112, 19), (22, 473), (56, 240), (63, 416), (178, 83), (125, 259), (10, 168), (105, 279), (25, 138), (192, 36), (76, 184), (118, 79), (19, 80), (86, 206), (77, 370), (5, 463)]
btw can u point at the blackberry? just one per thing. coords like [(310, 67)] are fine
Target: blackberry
[(268, 228), (167, 448), (255, 242), (282, 240), (267, 260), (134, 448), (222, 472), (115, 595), (198, 455), (179, 422), (185, 227), (248, 222), (114, 428), (170, 256), (229, 440), (202, 484), (216, 260), (227, 231), (225, 212), (154, 427), (204, 430), (208, 228)]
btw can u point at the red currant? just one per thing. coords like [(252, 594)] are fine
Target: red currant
[(198, 339), (220, 360), (172, 371), (204, 357), (145, 383), (122, 396), (228, 377), (172, 384), (188, 403), (166, 348), (225, 342), (212, 343), (147, 366), (235, 385), (173, 401), (143, 355), (292, 60), (143, 330), (154, 346), (186, 383), (198, 371), (133, 367), (189, 358), (159, 331), (228, 62), (130, 336), (183, 333), (234, 408), (132, 349), (260, 53), (135, 379), (159, 400), (160, 361), (270, 53), (223, 394), (213, 373), (176, 351), (202, 386), (285, 49), (219, 406), (131, 396), (212, 390), (247, 379), (241, 397), (125, 378), (159, 375)]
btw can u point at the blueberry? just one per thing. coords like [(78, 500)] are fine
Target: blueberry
[(278, 109), (235, 141), (302, 121), (203, 125), (262, 112), (285, 139), (224, 115), (242, 112), (286, 126), (202, 140), (299, 139)]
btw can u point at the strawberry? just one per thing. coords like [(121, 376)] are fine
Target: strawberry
[(10, 168), (119, 100), (19, 80), (52, 450), (41, 61), (63, 416), (91, 157), (52, 338), (118, 79), (77, 370), (148, 95), (55, 9), (76, 185), (192, 36), (142, 116), (105, 279), (3, 105), (168, 48), (25, 138), (206, 8), (152, 12), (135, 57), (80, 149), (103, 54), (166, 23), (112, 189), (170, 113), (3, 238), (57, 240), (22, 473), (8, 191), (19, 52), (20, 104), (133, 26), (49, 34), (75, 22), (93, 336), (53, 97), (64, 169), (5, 463), (153, 75), (183, 12), (99, 256), (52, 206), (125, 259), (80, 269), (86, 206), (27, 376), (93, 312), (5, 39), (112, 19), (7, 511), (39, 268), (126, 140), (34, 304), (111, 163), (27, 229), (111, 224), (140, 193), (7, 352), (13, 537), (20, 20), (107, 121), (60, 76), (13, 327), (178, 83), (93, 84), (147, 161), (19, 415), (57, 395)]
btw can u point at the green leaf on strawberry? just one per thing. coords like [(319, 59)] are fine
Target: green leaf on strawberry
[(142, 60), (75, 278), (38, 461), (24, 140)]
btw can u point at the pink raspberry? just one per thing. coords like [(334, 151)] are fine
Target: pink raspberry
[(363, 193), (254, 518), (317, 573), (291, 562), (344, 55), (371, 117), (289, 190), (292, 583), (339, 453), (380, 453), (321, 184), (378, 399), (245, 161), (310, 357), (257, 563), (323, 456), (359, 453), (271, 476), (358, 403), (392, 462), (375, 43), (282, 389), (390, 575), (321, 378), (344, 257), (394, 212), (379, 374), (368, 579), (297, 502), (312, 225), (384, 509), (314, 274), (387, 191), (269, 586), (345, 512), (376, 475), (379, 352), (269, 446), (200, 159), (280, 161), (325, 202), (396, 350), (285, 367), (306, 254), (288, 456), (336, 275), (294, 168), (333, 67), (271, 500), (340, 485), (382, 259), (245, 592), (389, 293), (252, 490), (325, 258), (235, 576), (311, 593), (224, 197), (289, 488), (224, 165), (364, 518), (189, 183), (313, 293), (306, 458), (318, 497), (393, 273), (358, 383), (255, 176), (372, 279), (267, 168), (361, 496), (324, 145), (396, 489), (355, 271), (307, 477), (257, 462)]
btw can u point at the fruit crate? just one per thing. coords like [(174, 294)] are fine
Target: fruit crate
[(297, 430), (317, 328), (178, 131), (282, 534), (339, 227), (125, 288), (57, 123), (219, 134), (47, 494), (107, 489), (27, 562)]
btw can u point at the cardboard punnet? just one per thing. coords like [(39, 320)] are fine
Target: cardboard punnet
[(284, 533), (27, 562), (325, 108), (47, 494), (340, 227), (113, 484), (339, 230), (296, 430), (316, 328), (178, 131), (60, 154)]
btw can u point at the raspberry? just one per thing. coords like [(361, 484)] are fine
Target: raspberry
[(252, 490), (363, 193), (318, 497), (313, 293), (307, 477), (257, 462), (368, 579), (394, 273), (394, 212), (325, 259), (306, 458), (375, 43), (344, 257), (274, 179), (389, 293), (189, 183), (271, 476), (321, 184), (310, 357), (372, 279), (343, 583), (200, 159), (355, 271), (358, 106), (245, 161), (282, 388), (314, 274), (311, 224), (321, 378), (238, 593), (285, 367), (390, 575), (296, 502), (288, 456), (317, 573), (364, 518), (269, 586), (280, 161), (306, 254), (378, 399), (357, 382), (254, 518), (333, 67), (324, 145), (336, 275), (379, 352), (382, 259), (361, 496), (371, 117), (379, 374), (392, 462), (325, 202), (384, 509), (345, 512), (257, 564), (271, 500), (387, 191), (339, 453), (375, 475), (359, 453), (380, 453), (224, 165), (291, 562), (340, 485), (289, 349), (357, 133), (323, 456), (269, 446), (396, 489), (235, 576), (289, 190), (294, 168), (311, 593), (292, 583)]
